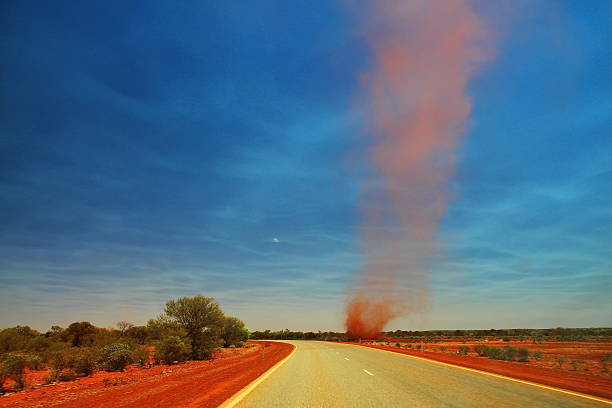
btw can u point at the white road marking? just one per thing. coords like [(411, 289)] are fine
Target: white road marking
[(237, 397), (367, 372), (346, 358), (578, 394)]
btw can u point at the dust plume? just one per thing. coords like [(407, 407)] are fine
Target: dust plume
[(424, 53)]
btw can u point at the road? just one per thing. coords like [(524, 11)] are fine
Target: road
[(323, 375)]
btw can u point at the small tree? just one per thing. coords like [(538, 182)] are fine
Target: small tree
[(171, 349), (203, 320), (12, 367), (140, 355), (116, 356), (124, 326), (560, 361), (508, 353), (523, 354), (79, 332), (138, 333), (234, 332)]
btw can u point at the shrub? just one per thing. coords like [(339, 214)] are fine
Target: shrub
[(576, 364), (67, 375), (172, 349), (560, 361), (233, 332), (507, 353), (605, 362), (493, 352), (115, 356), (409, 346), (12, 367), (140, 355), (480, 350), (523, 354), (81, 361), (442, 349), (34, 362), (52, 376), (537, 355), (463, 350), (84, 362), (398, 345)]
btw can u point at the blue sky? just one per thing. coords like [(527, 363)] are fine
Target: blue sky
[(152, 150)]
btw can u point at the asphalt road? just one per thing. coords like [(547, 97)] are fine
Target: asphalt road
[(322, 375)]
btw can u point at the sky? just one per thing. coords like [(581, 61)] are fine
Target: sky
[(152, 149)]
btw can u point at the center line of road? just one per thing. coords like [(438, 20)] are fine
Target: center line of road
[(346, 358), (367, 372)]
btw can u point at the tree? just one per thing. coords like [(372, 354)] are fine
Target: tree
[(79, 332), (171, 349), (124, 326), (116, 356), (12, 367), (202, 319), (234, 332), (163, 326), (138, 333)]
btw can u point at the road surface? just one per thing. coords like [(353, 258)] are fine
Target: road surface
[(323, 375)]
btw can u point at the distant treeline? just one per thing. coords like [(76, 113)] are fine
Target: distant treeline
[(556, 334), (287, 334)]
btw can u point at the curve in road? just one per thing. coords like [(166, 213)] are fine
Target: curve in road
[(321, 374)]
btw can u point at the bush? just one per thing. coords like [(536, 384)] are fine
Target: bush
[(560, 361), (52, 377), (13, 365), (480, 350), (234, 333), (34, 362), (171, 349), (523, 354), (576, 364), (84, 362), (605, 362), (398, 345), (463, 350), (507, 353), (140, 355), (115, 356), (537, 355), (81, 361), (492, 352)]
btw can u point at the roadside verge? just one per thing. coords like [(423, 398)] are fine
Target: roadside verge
[(237, 397), (583, 385)]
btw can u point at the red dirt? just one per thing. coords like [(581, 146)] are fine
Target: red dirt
[(574, 381), (195, 383)]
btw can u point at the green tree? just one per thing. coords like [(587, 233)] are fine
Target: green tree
[(234, 332), (116, 356), (163, 326), (12, 367), (171, 349), (124, 326), (79, 333), (202, 319)]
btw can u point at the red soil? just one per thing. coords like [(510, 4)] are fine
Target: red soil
[(195, 383), (575, 381)]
